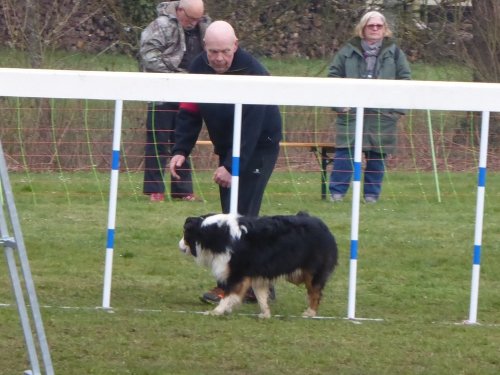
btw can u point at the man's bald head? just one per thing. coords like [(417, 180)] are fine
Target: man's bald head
[(221, 45), (190, 12), (220, 32), (195, 8)]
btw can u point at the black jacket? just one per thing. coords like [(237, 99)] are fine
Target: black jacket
[(261, 124)]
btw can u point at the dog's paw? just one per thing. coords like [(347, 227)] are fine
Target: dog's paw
[(264, 315), (309, 313), (216, 312)]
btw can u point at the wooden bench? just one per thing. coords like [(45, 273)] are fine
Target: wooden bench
[(322, 151)]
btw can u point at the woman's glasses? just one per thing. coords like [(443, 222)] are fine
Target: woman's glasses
[(375, 26)]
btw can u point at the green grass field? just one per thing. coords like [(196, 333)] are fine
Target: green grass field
[(413, 281), (282, 67), (414, 272)]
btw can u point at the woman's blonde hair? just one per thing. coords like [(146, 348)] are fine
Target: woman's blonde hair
[(358, 30)]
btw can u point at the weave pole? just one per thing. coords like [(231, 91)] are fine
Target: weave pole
[(356, 196), (481, 187), (113, 194), (433, 153), (235, 173)]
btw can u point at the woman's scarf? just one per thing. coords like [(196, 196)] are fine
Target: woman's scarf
[(370, 53)]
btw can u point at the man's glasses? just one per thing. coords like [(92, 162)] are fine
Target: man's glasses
[(375, 26)]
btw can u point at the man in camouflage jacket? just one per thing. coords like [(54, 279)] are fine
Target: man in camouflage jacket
[(168, 45)]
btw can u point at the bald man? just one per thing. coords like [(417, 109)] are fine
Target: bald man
[(260, 132), (168, 45)]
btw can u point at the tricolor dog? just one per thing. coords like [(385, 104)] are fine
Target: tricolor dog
[(245, 252)]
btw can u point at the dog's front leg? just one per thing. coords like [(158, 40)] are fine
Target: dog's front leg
[(233, 298), (226, 304)]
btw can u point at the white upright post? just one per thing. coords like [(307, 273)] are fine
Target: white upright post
[(356, 195), (481, 186), (113, 194), (235, 179)]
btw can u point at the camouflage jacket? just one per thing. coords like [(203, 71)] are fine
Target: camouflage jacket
[(163, 43)]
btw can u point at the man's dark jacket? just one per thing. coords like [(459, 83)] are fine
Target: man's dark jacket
[(261, 124)]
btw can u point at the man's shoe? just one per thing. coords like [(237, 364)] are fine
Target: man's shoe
[(371, 199), (189, 198), (272, 293), (186, 198), (213, 296), (249, 296), (157, 197), (336, 198)]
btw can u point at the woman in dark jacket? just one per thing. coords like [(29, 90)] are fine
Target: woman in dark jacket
[(371, 54)]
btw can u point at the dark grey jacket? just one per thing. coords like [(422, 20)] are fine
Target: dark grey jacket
[(380, 125), (163, 42)]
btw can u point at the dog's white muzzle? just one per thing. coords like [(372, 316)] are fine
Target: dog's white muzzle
[(183, 247)]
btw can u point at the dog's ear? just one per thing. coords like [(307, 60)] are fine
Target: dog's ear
[(191, 232), (193, 222), (207, 215)]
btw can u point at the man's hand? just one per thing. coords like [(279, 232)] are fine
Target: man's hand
[(222, 177), (176, 162)]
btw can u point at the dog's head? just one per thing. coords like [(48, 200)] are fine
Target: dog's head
[(191, 235), (212, 232)]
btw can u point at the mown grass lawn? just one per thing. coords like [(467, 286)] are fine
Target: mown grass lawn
[(413, 285), (413, 281)]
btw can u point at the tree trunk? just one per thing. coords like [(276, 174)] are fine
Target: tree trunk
[(33, 37), (484, 49), (35, 55), (486, 52)]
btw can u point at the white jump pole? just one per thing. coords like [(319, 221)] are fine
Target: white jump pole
[(356, 196), (481, 186), (235, 173), (113, 194)]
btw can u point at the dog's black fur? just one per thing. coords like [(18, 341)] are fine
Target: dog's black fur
[(255, 251)]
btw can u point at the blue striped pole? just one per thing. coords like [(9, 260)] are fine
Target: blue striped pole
[(481, 185), (235, 179), (113, 194), (356, 193)]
